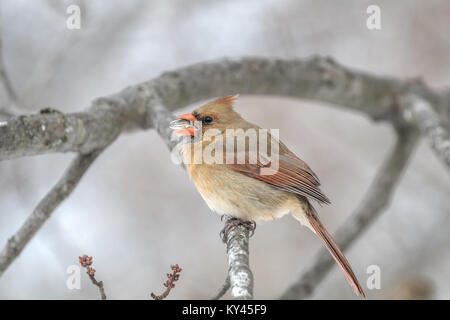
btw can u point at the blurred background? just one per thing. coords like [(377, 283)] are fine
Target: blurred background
[(137, 213)]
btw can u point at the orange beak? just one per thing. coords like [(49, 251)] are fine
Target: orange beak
[(186, 131)]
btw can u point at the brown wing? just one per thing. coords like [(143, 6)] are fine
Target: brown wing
[(293, 174)]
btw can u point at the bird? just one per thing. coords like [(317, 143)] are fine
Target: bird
[(239, 188)]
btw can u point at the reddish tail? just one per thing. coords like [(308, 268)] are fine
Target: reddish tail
[(334, 250)]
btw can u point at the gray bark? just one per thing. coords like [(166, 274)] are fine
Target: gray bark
[(317, 78), (419, 111), (239, 273)]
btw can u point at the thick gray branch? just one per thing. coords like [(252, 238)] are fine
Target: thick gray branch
[(45, 208), (420, 112), (52, 131), (376, 200), (241, 277), (316, 78)]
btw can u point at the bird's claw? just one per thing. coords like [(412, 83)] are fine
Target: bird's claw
[(249, 225)]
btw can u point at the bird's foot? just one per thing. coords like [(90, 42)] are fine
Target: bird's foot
[(249, 225)]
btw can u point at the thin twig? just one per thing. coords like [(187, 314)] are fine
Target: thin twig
[(170, 283), (86, 262), (45, 208), (99, 284), (222, 289), (376, 200)]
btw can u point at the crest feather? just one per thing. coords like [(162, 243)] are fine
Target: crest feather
[(228, 100)]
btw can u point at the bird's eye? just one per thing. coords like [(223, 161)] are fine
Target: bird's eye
[(207, 119)]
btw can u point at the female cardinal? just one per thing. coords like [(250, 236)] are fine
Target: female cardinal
[(239, 189)]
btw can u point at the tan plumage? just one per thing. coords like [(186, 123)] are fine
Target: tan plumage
[(241, 191)]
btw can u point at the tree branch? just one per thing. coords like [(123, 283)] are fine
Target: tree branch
[(317, 78), (376, 200), (86, 262), (45, 208), (420, 112), (239, 273), (98, 284), (170, 283)]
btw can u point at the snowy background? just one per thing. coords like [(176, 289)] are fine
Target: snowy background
[(137, 213)]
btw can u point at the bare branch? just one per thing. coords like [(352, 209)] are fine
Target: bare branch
[(99, 284), (376, 200), (53, 131), (86, 262), (241, 278), (316, 78), (68, 182), (45, 208), (222, 289), (170, 283), (420, 112)]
